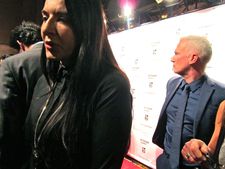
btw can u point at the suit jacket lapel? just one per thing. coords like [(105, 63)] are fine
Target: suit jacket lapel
[(206, 92), (170, 96)]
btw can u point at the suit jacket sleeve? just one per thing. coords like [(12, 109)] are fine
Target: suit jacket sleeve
[(18, 75), (8, 91)]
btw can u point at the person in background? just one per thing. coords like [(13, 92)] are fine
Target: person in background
[(2, 57), (6, 51), (24, 36), (81, 112), (18, 76), (199, 150), (181, 120)]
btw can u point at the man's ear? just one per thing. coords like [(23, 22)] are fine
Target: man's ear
[(193, 58), (22, 46)]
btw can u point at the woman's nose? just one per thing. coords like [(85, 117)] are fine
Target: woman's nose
[(48, 27)]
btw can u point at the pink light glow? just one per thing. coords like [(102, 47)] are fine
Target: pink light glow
[(131, 3)]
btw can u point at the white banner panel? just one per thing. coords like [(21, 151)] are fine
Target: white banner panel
[(144, 54)]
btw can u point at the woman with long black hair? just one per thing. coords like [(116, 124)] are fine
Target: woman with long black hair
[(80, 115)]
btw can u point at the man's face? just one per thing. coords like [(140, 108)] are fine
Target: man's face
[(180, 59)]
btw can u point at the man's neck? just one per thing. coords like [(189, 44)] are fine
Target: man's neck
[(192, 77)]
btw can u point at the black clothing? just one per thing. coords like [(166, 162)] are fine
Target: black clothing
[(109, 130), (18, 76)]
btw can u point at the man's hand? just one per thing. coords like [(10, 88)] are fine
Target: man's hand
[(194, 151)]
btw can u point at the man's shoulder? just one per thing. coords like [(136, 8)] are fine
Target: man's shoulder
[(175, 80), (214, 83), (217, 88), (37, 46), (31, 55)]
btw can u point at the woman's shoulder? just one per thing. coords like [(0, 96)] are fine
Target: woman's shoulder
[(116, 78)]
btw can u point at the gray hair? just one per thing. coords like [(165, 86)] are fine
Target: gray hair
[(202, 45)]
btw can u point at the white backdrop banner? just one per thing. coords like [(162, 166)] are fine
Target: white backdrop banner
[(144, 54)]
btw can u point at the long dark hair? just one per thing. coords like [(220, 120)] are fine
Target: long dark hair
[(92, 60)]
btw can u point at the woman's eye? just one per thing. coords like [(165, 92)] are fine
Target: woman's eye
[(63, 19)]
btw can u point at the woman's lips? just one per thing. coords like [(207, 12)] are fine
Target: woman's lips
[(49, 45)]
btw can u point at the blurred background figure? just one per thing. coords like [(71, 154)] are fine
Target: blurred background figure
[(18, 76), (23, 36), (6, 51)]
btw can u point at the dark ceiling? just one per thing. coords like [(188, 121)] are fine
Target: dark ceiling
[(151, 11)]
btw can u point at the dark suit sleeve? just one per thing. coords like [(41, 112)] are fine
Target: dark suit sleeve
[(112, 124), (8, 91), (18, 75)]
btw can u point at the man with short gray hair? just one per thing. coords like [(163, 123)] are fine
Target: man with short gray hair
[(191, 103)]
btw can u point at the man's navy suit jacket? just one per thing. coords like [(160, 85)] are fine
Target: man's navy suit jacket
[(212, 94)]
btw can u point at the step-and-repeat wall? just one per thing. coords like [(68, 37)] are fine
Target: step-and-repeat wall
[(144, 54)]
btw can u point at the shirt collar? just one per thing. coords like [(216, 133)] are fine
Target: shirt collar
[(195, 84), (183, 83)]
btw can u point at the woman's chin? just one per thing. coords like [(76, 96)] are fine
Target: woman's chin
[(50, 56)]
